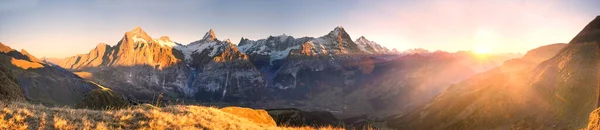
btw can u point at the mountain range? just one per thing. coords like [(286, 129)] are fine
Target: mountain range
[(311, 73), (332, 72)]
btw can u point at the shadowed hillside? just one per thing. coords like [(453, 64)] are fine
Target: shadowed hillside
[(24, 77), (9, 87)]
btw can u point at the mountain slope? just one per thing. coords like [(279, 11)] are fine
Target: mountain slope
[(557, 93), (9, 87), (40, 82)]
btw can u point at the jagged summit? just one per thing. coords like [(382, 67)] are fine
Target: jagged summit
[(339, 30), (137, 29), (362, 38), (136, 34), (210, 35), (589, 33)]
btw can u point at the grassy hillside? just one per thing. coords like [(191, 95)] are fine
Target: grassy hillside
[(26, 116)]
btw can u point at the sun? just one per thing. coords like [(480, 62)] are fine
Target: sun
[(481, 50)]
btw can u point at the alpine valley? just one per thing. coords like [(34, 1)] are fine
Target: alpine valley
[(323, 80)]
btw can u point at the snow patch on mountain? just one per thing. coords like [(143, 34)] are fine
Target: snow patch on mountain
[(198, 47), (166, 43), (139, 39), (278, 55)]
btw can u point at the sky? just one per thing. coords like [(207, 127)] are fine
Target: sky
[(61, 28)]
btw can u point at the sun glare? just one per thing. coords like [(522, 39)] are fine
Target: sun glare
[(482, 50)]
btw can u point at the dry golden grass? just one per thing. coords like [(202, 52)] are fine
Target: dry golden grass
[(594, 121), (256, 116), (17, 115)]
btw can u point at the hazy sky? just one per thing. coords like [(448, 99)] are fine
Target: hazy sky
[(54, 28)]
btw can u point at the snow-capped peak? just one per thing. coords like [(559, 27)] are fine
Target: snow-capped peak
[(370, 46), (210, 35), (282, 37), (337, 31), (362, 39)]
